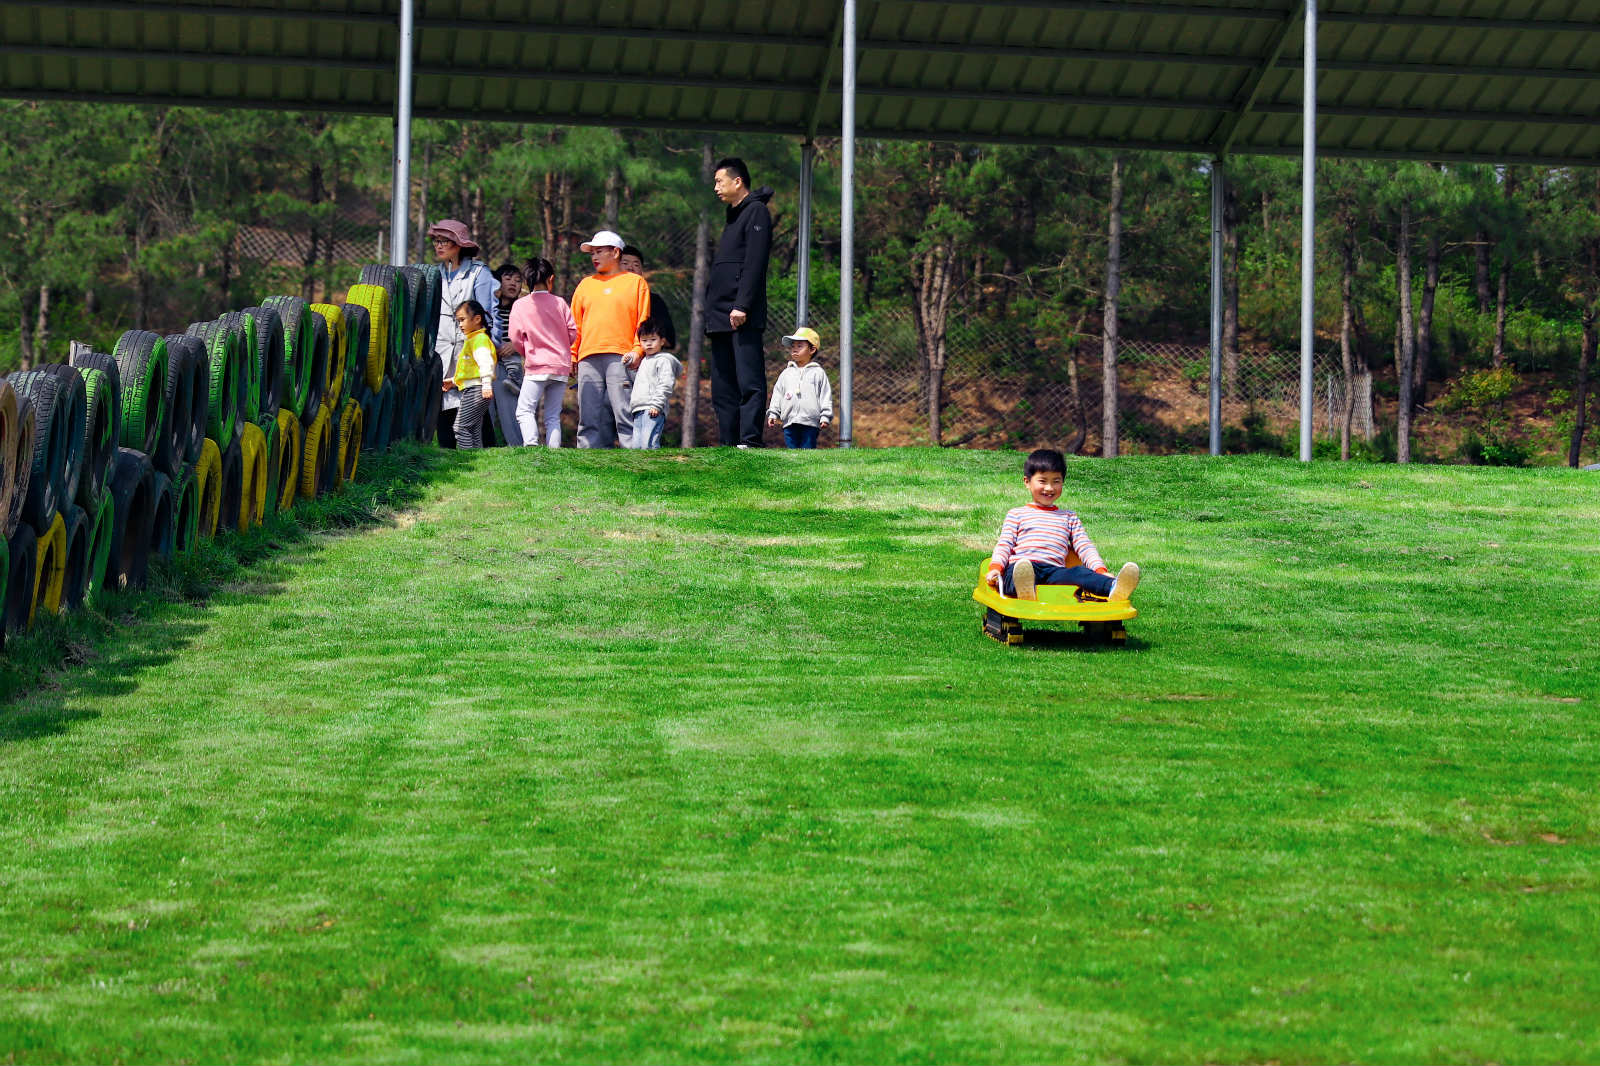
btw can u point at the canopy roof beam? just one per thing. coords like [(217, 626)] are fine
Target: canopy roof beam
[(1226, 130)]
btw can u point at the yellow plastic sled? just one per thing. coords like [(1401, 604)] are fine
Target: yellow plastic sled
[(1099, 619)]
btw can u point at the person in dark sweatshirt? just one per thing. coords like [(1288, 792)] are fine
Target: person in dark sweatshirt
[(736, 307)]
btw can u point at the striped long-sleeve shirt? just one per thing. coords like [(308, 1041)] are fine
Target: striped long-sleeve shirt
[(1044, 535)]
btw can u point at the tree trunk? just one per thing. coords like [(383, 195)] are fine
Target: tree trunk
[(424, 251), (1499, 355), (1430, 286), (25, 334), (1347, 323), (613, 202), (1407, 337), (697, 307), (308, 275), (41, 329), (1108, 340), (932, 281), (1591, 334), (1230, 290), (1075, 391), (1480, 254), (476, 222)]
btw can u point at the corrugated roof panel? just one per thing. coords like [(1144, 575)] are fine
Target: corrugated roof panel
[(1388, 64)]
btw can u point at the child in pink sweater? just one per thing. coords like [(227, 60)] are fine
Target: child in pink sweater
[(543, 331)]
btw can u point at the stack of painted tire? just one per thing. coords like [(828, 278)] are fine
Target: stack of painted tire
[(115, 460)]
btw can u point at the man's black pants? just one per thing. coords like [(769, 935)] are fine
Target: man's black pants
[(738, 386)]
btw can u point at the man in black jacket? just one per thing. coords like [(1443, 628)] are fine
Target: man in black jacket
[(736, 307)]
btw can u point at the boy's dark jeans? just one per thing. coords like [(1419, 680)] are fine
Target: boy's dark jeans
[(796, 435), (1049, 574)]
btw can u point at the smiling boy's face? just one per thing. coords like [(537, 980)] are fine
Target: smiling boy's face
[(1045, 487)]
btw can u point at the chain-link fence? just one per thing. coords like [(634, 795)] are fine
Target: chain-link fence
[(1004, 385)]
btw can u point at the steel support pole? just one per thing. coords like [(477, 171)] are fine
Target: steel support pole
[(1218, 181), (400, 200), (847, 227), (1308, 227), (802, 298)]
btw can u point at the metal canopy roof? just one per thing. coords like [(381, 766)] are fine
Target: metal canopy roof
[(1434, 79)]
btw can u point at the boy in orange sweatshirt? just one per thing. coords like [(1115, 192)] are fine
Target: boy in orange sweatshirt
[(608, 307)]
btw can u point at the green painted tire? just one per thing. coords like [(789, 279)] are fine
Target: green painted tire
[(100, 542), (225, 382), (401, 311), (142, 366), (249, 371), (102, 429)]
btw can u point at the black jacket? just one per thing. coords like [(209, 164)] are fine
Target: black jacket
[(739, 269)]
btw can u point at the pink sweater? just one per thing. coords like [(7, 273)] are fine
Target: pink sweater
[(544, 332)]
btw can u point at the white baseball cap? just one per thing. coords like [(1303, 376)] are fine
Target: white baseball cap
[(604, 239)]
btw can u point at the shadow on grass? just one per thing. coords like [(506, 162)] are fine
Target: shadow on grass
[(52, 677)]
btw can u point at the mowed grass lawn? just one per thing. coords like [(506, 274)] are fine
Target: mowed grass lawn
[(702, 757)]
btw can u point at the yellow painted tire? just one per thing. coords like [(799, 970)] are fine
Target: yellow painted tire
[(289, 459), (375, 298), (253, 500), (49, 568), (338, 351), (350, 429), (314, 455), (208, 487)]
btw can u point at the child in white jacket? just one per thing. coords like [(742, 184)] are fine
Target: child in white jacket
[(802, 399), (652, 388)]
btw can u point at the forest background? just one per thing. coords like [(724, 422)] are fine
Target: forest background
[(1003, 292)]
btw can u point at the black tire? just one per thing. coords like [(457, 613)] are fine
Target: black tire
[(21, 463), (102, 429), (22, 572), (72, 391), (268, 370), (232, 487), (133, 498), (243, 326), (357, 337), (431, 298), (75, 582), (416, 284), (188, 404), (163, 534), (89, 359), (433, 400), (54, 430), (200, 410), (142, 364), (388, 398), (9, 411), (297, 348), (317, 378), (186, 512)]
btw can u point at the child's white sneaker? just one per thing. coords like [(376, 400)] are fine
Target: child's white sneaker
[(1127, 581), (1022, 579)]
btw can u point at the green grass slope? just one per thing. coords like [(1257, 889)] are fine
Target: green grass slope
[(701, 757)]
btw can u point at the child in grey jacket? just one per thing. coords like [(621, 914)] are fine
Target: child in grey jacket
[(652, 388), (802, 399)]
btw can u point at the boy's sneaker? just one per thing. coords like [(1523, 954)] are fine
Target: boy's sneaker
[(1127, 581), (1022, 578)]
